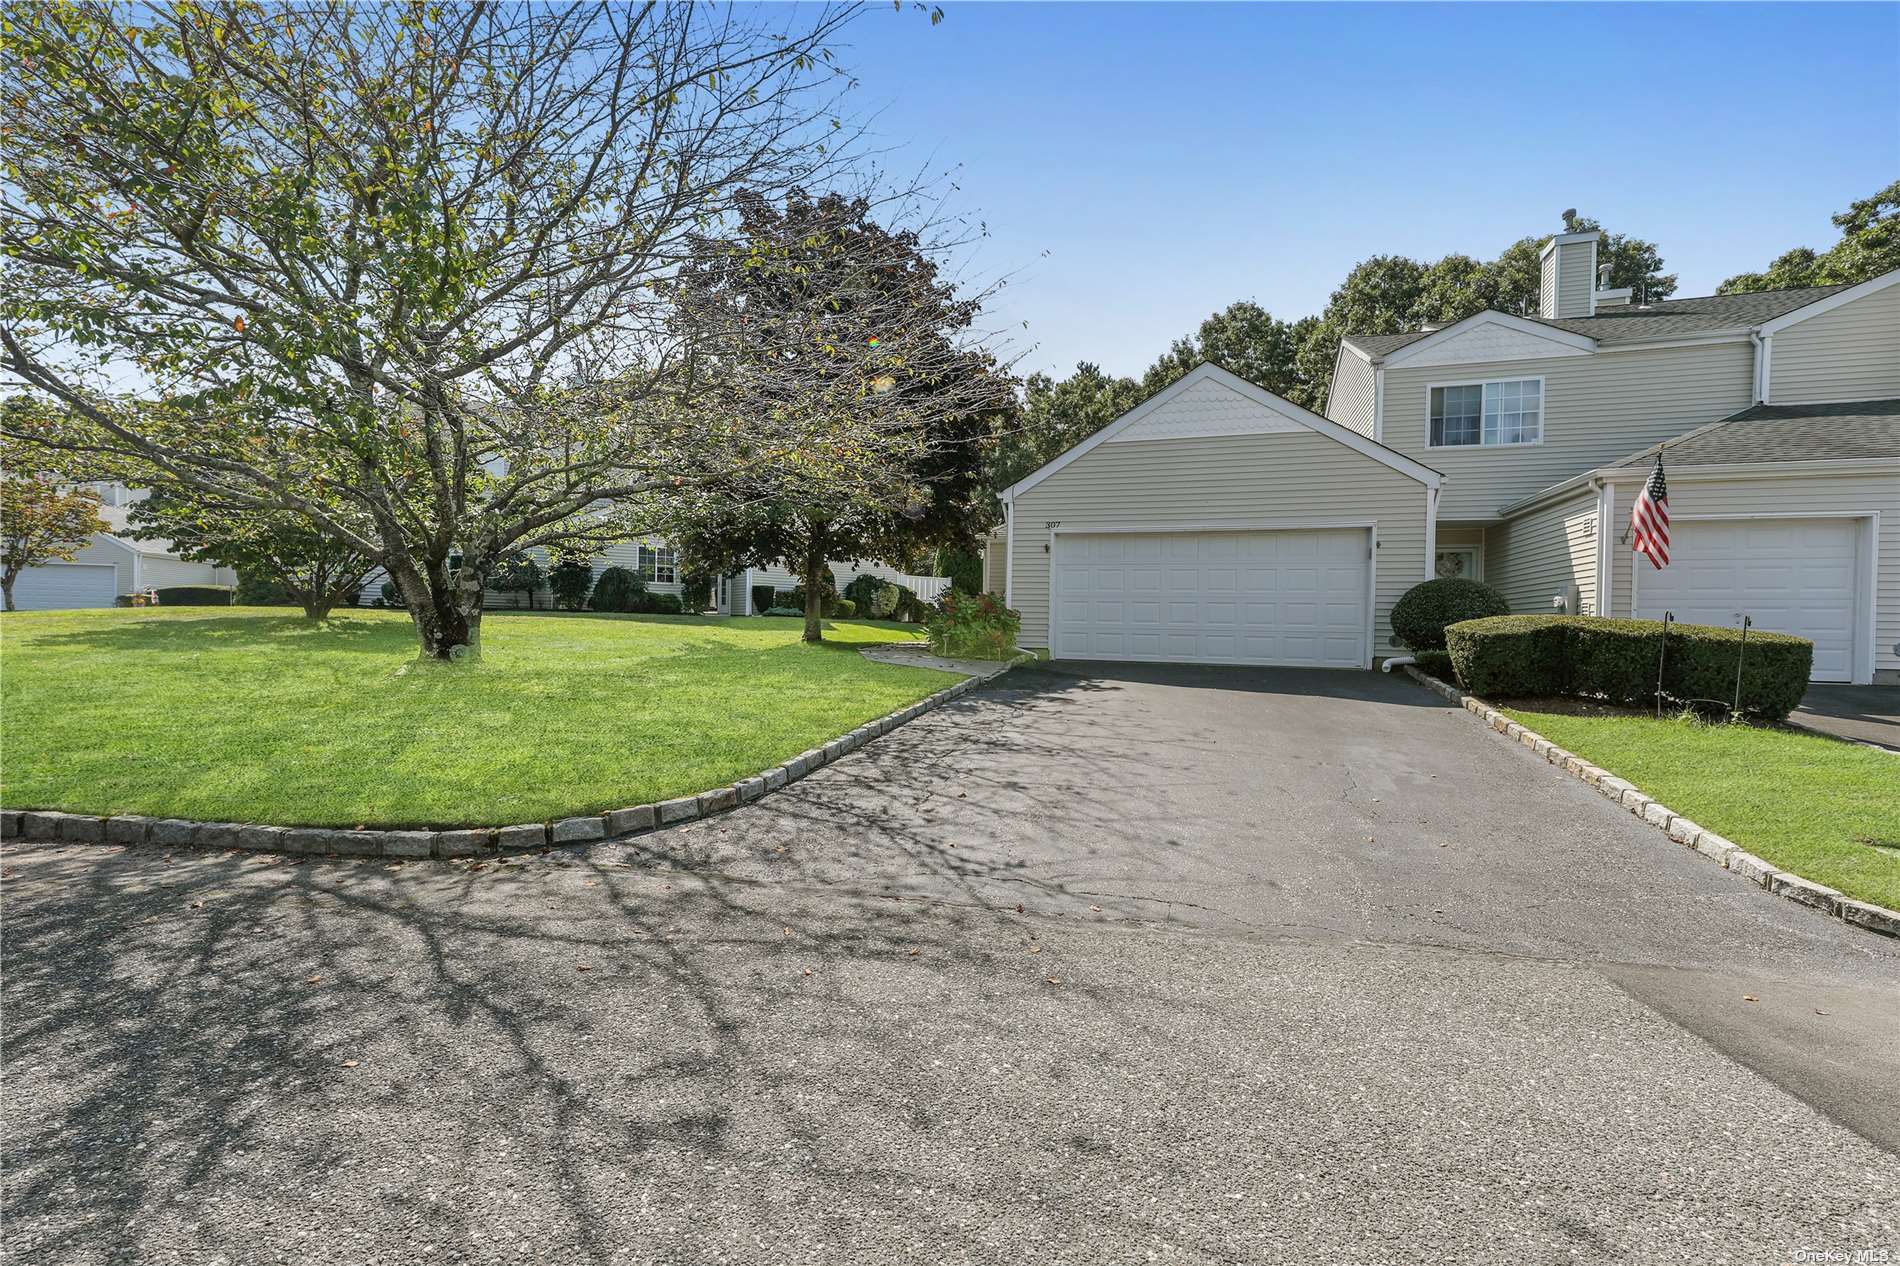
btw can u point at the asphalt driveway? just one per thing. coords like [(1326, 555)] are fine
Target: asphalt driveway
[(1098, 964)]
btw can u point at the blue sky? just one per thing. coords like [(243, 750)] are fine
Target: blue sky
[(1141, 165)]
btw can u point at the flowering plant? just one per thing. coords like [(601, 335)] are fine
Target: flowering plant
[(971, 626)]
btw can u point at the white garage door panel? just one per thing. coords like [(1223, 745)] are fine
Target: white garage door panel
[(1787, 575), (66, 587), (1268, 597)]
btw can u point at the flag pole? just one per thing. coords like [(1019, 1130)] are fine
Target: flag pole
[(1661, 653)]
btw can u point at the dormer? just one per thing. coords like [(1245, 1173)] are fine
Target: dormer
[(1568, 282)]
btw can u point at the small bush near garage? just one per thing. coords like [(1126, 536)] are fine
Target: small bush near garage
[(1437, 663), (194, 596), (763, 599), (972, 626), (1420, 616), (1616, 661)]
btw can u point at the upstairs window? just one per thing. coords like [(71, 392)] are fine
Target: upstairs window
[(1487, 413)]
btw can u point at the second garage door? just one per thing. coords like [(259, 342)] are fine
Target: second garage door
[(1788, 575), (1293, 597)]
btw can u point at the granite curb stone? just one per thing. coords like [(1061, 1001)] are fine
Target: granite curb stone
[(126, 829), (1723, 852)]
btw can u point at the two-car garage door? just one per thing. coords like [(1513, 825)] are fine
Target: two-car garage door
[(66, 586), (1294, 597)]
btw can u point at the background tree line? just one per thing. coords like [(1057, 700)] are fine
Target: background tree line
[(1392, 294)]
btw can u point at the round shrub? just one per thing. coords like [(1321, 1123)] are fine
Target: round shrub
[(617, 589), (1419, 618)]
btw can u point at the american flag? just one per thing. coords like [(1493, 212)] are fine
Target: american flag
[(1649, 520)]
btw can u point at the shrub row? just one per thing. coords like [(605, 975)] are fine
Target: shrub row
[(194, 595), (618, 589), (1616, 661)]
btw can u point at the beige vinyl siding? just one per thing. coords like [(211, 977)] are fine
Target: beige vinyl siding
[(1282, 479), (157, 571), (1352, 399), (995, 565), (1875, 492), (1547, 284), (1574, 280), (1532, 558), (103, 549), (1849, 353), (1597, 409)]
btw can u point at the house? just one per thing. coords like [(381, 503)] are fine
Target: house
[(657, 563), (1218, 523), (112, 563)]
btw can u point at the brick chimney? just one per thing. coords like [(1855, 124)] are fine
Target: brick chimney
[(1568, 286)]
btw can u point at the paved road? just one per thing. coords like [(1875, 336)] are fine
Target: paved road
[(1307, 966)]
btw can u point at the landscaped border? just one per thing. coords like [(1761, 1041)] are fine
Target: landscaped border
[(128, 829), (1722, 852)]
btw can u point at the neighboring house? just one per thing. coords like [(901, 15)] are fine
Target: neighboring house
[(657, 563), (1218, 523), (111, 564)]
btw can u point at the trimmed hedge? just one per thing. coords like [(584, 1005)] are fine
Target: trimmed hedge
[(1615, 661), (762, 599), (194, 596), (1419, 616)]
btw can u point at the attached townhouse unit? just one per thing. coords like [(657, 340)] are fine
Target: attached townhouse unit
[(1219, 523), (111, 563)]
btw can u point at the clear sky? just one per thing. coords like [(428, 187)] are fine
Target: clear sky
[(1142, 165)]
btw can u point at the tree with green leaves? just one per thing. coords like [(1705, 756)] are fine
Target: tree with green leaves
[(400, 270), (1056, 415), (1244, 339), (313, 568), (1869, 246), (43, 519), (842, 332), (517, 574), (570, 579)]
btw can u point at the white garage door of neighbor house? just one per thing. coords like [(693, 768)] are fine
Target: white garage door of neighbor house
[(66, 586), (1265, 597), (1787, 575)]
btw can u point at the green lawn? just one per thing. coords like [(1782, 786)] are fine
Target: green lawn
[(255, 715), (1815, 806)]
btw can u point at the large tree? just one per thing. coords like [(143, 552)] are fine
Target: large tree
[(1244, 339), (398, 269), (1391, 294), (843, 333), (43, 519), (1056, 415), (316, 569), (1869, 246)]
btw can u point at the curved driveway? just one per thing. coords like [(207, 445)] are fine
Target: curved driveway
[(1094, 965)]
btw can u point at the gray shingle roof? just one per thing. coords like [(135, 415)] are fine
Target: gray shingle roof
[(1786, 433), (1672, 318)]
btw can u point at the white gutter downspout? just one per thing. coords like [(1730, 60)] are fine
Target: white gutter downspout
[(1761, 366), (1009, 551)]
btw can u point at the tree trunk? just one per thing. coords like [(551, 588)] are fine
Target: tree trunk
[(446, 609), (6, 584), (318, 608), (814, 589)]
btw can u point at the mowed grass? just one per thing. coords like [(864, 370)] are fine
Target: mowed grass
[(1815, 806), (256, 715)]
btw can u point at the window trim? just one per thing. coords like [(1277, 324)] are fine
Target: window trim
[(1543, 413), (648, 564)]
